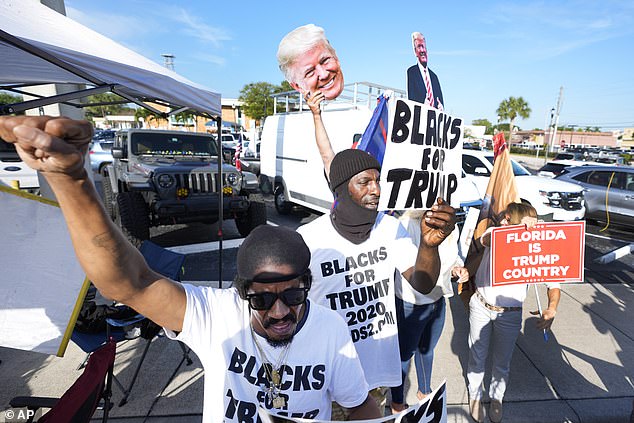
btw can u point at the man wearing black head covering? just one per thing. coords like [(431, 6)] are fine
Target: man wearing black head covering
[(261, 343), (354, 254)]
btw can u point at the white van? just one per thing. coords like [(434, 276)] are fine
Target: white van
[(14, 172), (290, 165)]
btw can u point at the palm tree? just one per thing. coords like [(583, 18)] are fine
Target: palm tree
[(511, 108), (145, 115)]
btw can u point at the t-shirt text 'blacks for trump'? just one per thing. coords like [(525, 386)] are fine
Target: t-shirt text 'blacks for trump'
[(423, 157)]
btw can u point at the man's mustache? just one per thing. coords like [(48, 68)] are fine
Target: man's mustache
[(272, 321)]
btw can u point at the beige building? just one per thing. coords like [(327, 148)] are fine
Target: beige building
[(627, 140), (565, 138)]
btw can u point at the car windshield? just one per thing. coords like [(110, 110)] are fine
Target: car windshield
[(104, 135), (518, 170), (107, 145), (160, 144), (555, 168)]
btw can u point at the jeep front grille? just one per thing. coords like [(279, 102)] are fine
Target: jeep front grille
[(198, 182)]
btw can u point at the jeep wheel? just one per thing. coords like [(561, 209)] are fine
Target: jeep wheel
[(281, 205), (253, 217), (133, 217), (108, 195)]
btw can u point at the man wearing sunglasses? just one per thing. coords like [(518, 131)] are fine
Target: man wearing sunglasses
[(261, 345), (355, 252)]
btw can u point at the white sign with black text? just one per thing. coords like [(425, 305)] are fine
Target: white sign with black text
[(423, 157)]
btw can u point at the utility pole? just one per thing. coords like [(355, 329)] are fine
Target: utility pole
[(553, 131)]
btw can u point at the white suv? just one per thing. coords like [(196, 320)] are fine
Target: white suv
[(553, 199)]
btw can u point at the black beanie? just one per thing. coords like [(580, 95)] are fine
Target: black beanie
[(274, 244), (348, 163)]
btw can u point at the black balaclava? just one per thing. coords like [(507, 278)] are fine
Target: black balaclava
[(352, 221)]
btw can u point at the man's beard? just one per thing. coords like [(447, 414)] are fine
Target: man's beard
[(279, 343)]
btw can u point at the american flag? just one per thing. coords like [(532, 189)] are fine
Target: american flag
[(375, 135)]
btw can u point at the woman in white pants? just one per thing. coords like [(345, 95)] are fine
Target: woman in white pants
[(495, 320)]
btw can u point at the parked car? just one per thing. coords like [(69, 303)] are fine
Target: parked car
[(169, 177), (100, 154), (609, 192), (230, 140), (14, 170), (555, 167), (553, 200), (571, 155)]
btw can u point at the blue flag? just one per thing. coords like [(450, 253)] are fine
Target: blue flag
[(375, 135)]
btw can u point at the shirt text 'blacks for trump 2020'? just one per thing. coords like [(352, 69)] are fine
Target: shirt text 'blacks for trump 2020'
[(361, 303), (423, 157)]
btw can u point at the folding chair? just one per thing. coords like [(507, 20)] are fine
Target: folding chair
[(80, 401), (169, 264), (165, 262)]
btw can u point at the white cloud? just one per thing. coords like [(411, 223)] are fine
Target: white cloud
[(196, 28), (211, 58)]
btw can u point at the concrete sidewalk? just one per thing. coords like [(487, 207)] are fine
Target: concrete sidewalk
[(584, 373)]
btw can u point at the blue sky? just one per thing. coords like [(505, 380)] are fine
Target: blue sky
[(482, 53)]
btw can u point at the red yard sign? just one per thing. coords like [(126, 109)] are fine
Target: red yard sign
[(548, 252)]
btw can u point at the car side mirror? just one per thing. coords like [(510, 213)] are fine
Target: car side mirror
[(481, 171), (118, 153)]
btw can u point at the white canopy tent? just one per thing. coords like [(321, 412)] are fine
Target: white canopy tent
[(41, 46)]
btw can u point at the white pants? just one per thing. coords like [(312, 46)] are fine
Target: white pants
[(497, 331)]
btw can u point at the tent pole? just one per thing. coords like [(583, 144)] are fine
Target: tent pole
[(220, 198), (45, 101)]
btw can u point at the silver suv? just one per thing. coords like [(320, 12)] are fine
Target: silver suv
[(167, 177), (609, 192)]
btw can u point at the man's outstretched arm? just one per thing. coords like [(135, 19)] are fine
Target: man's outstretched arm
[(57, 147), (321, 136)]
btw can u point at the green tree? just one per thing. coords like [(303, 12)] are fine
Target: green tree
[(484, 122), (512, 108), (141, 113), (106, 104), (6, 98), (256, 98), (284, 86), (186, 118)]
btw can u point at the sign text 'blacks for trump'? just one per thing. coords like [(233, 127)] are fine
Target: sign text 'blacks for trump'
[(423, 157)]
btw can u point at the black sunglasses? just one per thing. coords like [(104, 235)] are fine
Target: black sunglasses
[(265, 300)]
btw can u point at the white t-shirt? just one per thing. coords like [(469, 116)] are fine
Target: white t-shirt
[(321, 366), (501, 296), (357, 281), (449, 257)]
